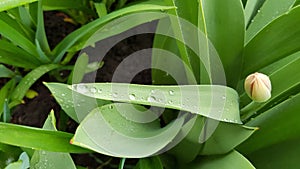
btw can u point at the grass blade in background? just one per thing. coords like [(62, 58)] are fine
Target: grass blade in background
[(8, 4), (30, 79), (40, 36), (92, 27), (61, 5), (13, 55), (7, 31)]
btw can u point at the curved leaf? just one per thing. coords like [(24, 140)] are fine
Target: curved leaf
[(212, 101), (266, 47), (108, 130)]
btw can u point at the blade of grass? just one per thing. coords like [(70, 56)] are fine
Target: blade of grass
[(91, 27), (37, 138), (8, 4), (30, 79)]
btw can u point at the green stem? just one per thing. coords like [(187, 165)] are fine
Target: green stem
[(249, 110)]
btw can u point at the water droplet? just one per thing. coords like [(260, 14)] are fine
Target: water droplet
[(99, 90), (151, 99), (258, 11), (170, 101), (152, 91), (115, 95), (63, 94), (252, 20), (81, 88), (132, 97), (93, 90), (171, 92), (110, 106)]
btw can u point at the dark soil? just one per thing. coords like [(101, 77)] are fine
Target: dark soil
[(35, 111)]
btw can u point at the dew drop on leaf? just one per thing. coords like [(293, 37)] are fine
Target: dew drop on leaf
[(171, 92), (93, 90), (132, 97), (151, 99)]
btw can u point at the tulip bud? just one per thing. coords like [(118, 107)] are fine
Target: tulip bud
[(258, 87)]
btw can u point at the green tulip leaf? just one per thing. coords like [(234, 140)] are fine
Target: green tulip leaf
[(111, 130), (76, 105), (278, 124), (212, 101), (259, 52), (226, 161)]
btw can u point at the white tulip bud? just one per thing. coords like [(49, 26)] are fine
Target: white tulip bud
[(258, 87)]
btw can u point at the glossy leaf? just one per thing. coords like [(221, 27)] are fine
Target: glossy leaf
[(109, 130), (225, 138), (212, 101), (11, 134), (276, 125), (226, 161), (251, 9), (225, 29), (8, 4), (76, 105), (30, 79), (259, 52), (270, 10)]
